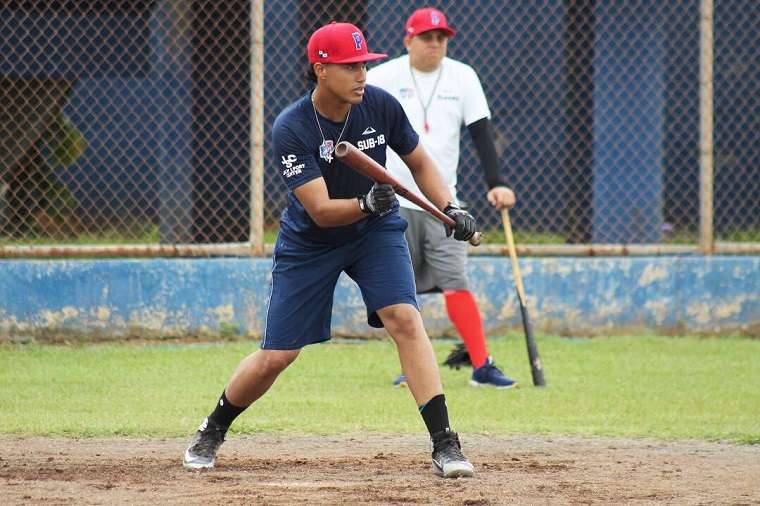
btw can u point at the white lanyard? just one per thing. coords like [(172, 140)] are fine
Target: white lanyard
[(424, 106)]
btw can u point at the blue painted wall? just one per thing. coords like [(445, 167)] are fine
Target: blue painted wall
[(566, 295)]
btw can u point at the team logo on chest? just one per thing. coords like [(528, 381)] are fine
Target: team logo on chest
[(326, 150), (406, 92)]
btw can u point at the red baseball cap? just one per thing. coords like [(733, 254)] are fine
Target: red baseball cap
[(340, 43), (424, 20)]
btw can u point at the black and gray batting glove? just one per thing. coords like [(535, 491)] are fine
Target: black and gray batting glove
[(465, 226), (380, 199)]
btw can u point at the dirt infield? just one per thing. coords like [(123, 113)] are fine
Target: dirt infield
[(378, 469)]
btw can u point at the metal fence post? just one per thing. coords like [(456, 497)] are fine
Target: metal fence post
[(706, 162), (257, 127)]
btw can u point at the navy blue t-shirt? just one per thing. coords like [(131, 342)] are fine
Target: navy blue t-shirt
[(377, 122)]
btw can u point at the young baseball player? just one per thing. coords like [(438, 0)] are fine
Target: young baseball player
[(338, 221), (439, 95)]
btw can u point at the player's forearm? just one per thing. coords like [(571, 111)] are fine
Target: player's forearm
[(428, 178), (432, 186), (336, 212), (327, 212)]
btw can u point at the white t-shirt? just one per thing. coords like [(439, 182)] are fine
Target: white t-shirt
[(458, 99)]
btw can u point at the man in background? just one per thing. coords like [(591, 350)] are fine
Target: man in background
[(440, 94)]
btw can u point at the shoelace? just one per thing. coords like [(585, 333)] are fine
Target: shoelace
[(491, 369), (450, 447), (209, 441)]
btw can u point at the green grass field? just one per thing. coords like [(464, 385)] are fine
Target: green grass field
[(662, 387)]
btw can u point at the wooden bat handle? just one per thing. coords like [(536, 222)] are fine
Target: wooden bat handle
[(513, 254), (357, 160)]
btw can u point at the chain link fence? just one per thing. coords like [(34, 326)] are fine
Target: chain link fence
[(130, 122)]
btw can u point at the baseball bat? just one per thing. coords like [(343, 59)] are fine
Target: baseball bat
[(536, 369), (363, 164)]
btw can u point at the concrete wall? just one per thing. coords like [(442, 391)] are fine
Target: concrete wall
[(229, 295)]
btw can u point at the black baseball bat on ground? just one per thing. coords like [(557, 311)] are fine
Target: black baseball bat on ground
[(536, 369)]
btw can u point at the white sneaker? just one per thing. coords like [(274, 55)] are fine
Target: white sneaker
[(202, 451), (448, 461)]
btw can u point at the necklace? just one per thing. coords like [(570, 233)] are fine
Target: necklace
[(430, 98), (327, 147)]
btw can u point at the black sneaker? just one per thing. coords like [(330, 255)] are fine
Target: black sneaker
[(448, 460), (202, 451)]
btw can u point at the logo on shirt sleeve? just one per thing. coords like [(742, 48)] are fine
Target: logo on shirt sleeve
[(291, 169)]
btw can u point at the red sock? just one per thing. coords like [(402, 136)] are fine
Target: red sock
[(464, 314)]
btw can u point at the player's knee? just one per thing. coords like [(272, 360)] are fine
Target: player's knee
[(276, 361), (402, 321)]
